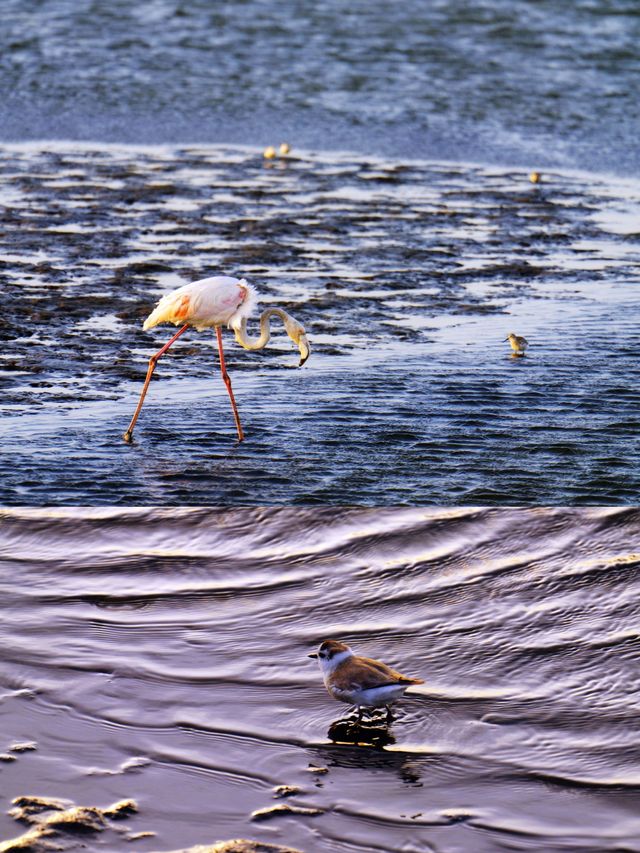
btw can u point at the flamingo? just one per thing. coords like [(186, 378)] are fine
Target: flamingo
[(212, 303)]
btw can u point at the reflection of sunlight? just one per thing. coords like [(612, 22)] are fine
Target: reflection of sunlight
[(617, 220)]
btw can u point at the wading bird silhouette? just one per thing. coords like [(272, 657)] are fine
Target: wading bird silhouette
[(213, 303)]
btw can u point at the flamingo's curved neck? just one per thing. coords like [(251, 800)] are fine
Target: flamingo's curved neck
[(265, 331)]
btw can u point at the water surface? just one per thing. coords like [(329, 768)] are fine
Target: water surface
[(160, 654), (502, 81), (407, 274)]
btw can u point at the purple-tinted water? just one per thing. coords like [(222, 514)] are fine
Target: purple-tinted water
[(160, 654)]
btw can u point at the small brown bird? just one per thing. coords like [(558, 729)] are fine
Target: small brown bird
[(360, 681), (269, 152), (284, 149), (535, 177), (518, 343)]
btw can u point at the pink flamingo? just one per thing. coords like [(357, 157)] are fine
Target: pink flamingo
[(216, 302)]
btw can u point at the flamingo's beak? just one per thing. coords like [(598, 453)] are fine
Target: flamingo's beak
[(303, 346), (314, 655)]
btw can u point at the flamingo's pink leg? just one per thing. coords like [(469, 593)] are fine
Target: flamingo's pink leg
[(227, 382), (128, 435)]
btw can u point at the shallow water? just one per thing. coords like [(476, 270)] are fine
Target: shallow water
[(494, 80), (407, 275), (161, 655)]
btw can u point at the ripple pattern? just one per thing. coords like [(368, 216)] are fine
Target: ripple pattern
[(408, 275), (160, 655)]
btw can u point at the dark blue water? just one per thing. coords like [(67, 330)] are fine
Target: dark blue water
[(407, 276), (539, 83)]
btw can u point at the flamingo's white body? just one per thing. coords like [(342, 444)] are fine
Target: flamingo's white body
[(213, 303), (217, 301)]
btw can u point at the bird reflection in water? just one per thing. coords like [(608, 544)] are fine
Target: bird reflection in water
[(362, 746)]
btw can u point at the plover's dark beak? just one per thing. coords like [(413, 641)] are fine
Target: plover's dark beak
[(505, 340), (314, 655)]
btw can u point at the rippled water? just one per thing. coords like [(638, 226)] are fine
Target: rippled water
[(407, 275), (161, 655), (494, 80)]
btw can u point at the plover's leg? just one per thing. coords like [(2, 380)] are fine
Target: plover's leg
[(390, 717), (359, 714)]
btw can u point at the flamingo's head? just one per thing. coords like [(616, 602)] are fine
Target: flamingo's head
[(296, 332)]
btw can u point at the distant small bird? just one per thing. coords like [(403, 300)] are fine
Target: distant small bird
[(360, 681), (212, 303), (269, 152), (284, 149), (535, 177), (518, 343)]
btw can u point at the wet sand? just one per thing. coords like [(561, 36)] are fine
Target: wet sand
[(407, 275), (160, 656)]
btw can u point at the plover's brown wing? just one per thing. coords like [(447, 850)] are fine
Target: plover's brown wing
[(378, 674)]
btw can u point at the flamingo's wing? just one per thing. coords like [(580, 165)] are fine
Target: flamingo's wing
[(218, 300), (214, 301)]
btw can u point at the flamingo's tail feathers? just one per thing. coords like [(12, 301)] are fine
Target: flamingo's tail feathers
[(172, 308), (151, 321)]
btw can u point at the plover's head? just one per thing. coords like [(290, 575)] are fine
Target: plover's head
[(331, 654), (511, 336)]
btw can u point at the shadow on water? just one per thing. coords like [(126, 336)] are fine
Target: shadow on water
[(407, 766)]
